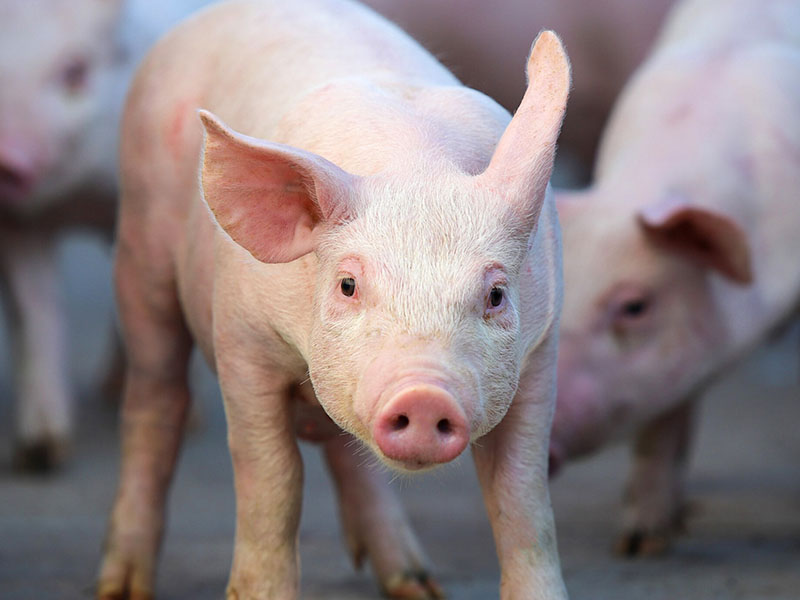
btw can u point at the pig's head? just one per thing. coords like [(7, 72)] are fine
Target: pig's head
[(55, 63), (662, 235), (640, 322), (417, 337)]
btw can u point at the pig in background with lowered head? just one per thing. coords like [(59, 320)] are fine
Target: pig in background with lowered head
[(381, 229), (683, 254), (64, 68)]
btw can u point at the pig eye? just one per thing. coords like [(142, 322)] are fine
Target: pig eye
[(631, 311), (348, 286), (495, 297), (634, 309), (75, 75)]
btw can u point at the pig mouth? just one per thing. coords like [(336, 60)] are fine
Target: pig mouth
[(410, 467)]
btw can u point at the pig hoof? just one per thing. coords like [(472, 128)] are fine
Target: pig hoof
[(124, 595), (121, 590), (41, 456), (654, 539), (416, 585), (643, 544)]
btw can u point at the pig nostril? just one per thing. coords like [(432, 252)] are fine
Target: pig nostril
[(400, 423), (444, 426)]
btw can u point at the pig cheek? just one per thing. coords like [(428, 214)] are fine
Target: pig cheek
[(582, 403), (669, 367), (337, 348), (498, 371)]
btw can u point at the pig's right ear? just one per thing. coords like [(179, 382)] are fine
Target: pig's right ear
[(270, 198)]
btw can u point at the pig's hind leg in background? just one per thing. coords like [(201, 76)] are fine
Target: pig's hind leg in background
[(375, 526), (655, 509)]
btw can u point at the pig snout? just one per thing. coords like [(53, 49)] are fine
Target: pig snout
[(421, 426), (17, 172)]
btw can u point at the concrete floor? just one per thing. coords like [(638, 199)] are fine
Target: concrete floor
[(743, 540)]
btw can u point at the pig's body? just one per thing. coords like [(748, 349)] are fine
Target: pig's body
[(65, 67), (606, 41), (406, 144), (690, 236)]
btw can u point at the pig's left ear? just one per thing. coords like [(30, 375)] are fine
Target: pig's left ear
[(270, 198), (523, 160), (703, 235)]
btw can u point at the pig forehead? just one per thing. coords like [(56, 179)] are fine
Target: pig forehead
[(601, 250), (439, 221)]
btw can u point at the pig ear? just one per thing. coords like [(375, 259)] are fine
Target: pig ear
[(270, 198), (710, 238), (523, 159)]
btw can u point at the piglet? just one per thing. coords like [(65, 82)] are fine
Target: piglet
[(376, 227), (682, 256), (64, 68)]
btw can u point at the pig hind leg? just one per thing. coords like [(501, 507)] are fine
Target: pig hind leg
[(375, 526), (654, 507), (28, 269), (154, 408)]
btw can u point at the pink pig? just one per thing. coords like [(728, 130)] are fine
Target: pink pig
[(381, 230), (683, 254), (64, 69), (606, 41)]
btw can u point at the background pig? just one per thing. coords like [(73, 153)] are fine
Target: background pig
[(64, 67), (606, 41), (683, 254), (394, 240)]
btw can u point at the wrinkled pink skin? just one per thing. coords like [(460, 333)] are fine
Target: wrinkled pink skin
[(606, 41), (427, 198), (682, 255), (64, 67)]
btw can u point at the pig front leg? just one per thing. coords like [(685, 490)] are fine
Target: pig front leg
[(654, 506), (376, 527), (267, 470), (43, 425), (511, 462)]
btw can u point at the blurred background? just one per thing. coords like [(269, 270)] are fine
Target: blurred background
[(743, 537)]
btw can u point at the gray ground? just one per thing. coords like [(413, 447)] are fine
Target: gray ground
[(743, 540)]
